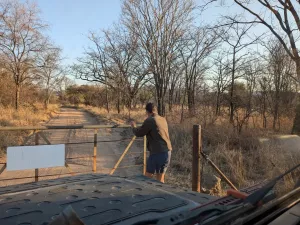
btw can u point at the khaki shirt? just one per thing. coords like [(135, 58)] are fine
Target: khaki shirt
[(156, 130)]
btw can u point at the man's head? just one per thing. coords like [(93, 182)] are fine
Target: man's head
[(150, 109)]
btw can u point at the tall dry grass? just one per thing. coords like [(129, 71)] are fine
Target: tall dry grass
[(26, 116), (240, 156), (139, 115)]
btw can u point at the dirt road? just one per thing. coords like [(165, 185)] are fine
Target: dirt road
[(290, 143), (108, 152)]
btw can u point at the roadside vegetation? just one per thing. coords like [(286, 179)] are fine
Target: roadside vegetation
[(29, 115), (238, 84), (240, 156)]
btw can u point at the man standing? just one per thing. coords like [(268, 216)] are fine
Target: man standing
[(155, 128)]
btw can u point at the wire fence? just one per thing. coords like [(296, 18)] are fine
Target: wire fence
[(83, 150)]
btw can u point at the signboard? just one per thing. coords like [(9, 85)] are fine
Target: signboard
[(35, 157)]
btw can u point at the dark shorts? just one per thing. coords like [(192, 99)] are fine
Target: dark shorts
[(159, 162)]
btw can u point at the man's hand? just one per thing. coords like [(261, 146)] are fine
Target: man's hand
[(132, 124)]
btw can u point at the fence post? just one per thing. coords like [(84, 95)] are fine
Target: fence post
[(197, 144), (95, 151), (36, 171), (145, 154)]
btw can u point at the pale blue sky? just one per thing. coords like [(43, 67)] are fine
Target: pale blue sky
[(71, 20)]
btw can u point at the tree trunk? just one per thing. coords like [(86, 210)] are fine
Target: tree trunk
[(106, 98), (275, 116), (160, 101), (264, 121), (182, 106), (193, 94), (231, 104), (160, 106), (178, 94), (46, 103), (264, 113), (118, 103), (296, 124), (232, 88), (176, 97), (218, 104), (170, 100), (130, 100), (47, 100), (17, 100), (190, 102)]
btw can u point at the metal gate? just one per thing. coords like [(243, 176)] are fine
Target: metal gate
[(88, 153)]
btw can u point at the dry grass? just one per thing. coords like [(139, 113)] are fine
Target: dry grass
[(26, 116), (240, 156), (138, 115)]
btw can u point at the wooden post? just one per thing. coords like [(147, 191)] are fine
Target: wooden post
[(3, 168), (95, 151), (36, 172), (145, 154), (197, 144)]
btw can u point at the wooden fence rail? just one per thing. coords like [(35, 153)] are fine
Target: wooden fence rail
[(63, 127)]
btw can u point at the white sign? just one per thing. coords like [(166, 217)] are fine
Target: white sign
[(34, 157)]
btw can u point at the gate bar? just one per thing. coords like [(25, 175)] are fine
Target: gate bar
[(65, 127), (122, 156), (145, 155), (197, 144), (95, 151), (36, 171)]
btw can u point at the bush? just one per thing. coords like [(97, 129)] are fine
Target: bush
[(31, 115), (240, 157)]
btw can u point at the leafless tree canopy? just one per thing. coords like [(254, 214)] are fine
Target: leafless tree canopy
[(159, 26), (282, 20), (21, 40), (161, 50), (49, 71)]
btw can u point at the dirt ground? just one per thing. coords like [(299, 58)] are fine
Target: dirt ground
[(289, 143), (109, 149)]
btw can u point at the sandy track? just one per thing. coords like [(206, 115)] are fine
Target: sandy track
[(107, 152)]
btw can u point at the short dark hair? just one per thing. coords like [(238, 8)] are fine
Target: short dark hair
[(150, 107)]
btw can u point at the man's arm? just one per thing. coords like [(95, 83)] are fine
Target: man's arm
[(143, 130)]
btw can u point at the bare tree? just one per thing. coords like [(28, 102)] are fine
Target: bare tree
[(113, 60), (93, 66), (220, 79), (50, 72), (251, 73), (21, 39), (238, 41), (196, 46), (280, 68), (122, 51), (263, 97), (159, 25), (281, 18), (175, 70), (64, 85)]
